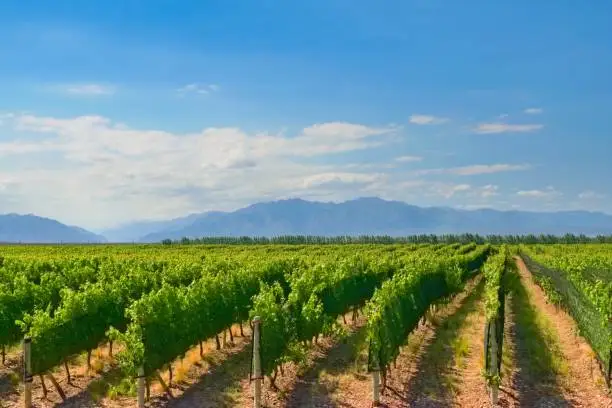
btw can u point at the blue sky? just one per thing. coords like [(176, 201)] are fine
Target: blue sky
[(123, 110)]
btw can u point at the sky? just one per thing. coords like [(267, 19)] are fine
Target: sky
[(122, 110)]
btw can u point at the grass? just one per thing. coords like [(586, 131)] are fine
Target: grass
[(537, 342), (448, 349), (461, 349), (537, 352)]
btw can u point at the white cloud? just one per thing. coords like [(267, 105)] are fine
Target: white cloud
[(335, 180), (490, 128), (476, 169), (489, 191), (590, 195), (104, 172), (408, 159), (448, 191), (487, 169), (87, 89), (427, 120), (425, 188), (202, 89), (533, 111), (549, 192)]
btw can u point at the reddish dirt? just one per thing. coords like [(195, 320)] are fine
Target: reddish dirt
[(345, 383), (583, 384), (312, 384), (470, 389), (193, 376), (427, 374)]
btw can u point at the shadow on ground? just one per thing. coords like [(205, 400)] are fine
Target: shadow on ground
[(338, 360), (434, 382), (537, 359)]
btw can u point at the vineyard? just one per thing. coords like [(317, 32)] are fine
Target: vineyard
[(306, 324)]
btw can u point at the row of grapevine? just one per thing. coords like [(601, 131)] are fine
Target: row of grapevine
[(494, 272), (575, 279), (397, 307), (80, 322), (26, 286), (164, 324), (315, 299), (158, 310)]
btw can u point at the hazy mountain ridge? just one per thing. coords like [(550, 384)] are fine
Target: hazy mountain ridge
[(133, 232), (33, 229), (368, 216), (374, 216)]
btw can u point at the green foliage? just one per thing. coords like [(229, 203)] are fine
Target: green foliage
[(399, 304), (579, 279), (164, 324), (317, 296), (276, 328)]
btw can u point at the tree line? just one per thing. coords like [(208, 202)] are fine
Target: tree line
[(387, 239)]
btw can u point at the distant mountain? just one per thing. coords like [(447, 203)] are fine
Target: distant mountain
[(368, 216), (32, 229), (374, 216), (133, 232)]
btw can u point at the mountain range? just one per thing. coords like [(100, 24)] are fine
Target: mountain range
[(32, 229), (368, 216)]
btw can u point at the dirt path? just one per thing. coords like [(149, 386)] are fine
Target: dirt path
[(553, 367), (469, 384), (313, 383), (449, 365), (10, 378), (198, 382), (212, 382), (349, 385)]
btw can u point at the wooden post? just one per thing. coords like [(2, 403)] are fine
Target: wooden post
[(609, 373), (27, 371), (494, 361), (257, 374), (375, 388), (141, 387)]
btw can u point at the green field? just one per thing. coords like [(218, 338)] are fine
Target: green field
[(158, 302)]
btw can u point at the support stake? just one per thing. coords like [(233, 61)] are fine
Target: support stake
[(27, 371), (141, 387), (257, 374), (375, 388)]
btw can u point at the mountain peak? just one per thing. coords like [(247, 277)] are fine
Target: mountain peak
[(376, 216), (31, 228)]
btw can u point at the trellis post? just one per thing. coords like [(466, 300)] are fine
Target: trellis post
[(141, 387), (27, 371), (257, 372)]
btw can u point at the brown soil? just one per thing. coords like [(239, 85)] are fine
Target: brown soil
[(314, 382), (343, 380), (469, 386), (196, 379), (428, 374), (579, 384)]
